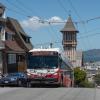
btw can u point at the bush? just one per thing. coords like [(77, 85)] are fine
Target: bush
[(86, 84)]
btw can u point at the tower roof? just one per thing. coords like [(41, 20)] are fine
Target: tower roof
[(69, 26)]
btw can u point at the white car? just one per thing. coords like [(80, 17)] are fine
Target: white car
[(98, 86)]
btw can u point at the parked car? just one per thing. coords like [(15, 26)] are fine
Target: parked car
[(17, 79), (1, 75), (98, 86)]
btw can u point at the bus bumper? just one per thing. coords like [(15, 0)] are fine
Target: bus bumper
[(44, 80)]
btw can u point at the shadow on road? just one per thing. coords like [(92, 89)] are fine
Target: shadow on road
[(44, 86)]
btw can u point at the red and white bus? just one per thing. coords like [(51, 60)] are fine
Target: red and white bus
[(49, 66)]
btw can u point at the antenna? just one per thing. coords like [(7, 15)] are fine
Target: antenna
[(51, 45)]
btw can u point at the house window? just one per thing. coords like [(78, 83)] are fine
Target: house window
[(27, 40), (11, 58), (9, 36), (0, 28), (2, 33)]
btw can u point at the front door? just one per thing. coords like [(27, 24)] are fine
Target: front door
[(21, 63)]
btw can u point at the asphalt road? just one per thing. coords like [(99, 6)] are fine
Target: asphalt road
[(49, 94)]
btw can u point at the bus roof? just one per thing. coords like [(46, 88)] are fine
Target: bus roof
[(46, 49)]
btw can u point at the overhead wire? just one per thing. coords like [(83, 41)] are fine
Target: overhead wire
[(15, 6), (62, 6), (81, 20), (91, 19), (81, 37), (53, 31), (43, 21), (17, 12), (21, 10), (26, 7), (71, 4)]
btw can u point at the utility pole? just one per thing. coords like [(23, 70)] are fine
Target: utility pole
[(73, 78), (51, 45)]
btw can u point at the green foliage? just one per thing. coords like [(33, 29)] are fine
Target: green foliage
[(79, 76), (87, 84), (97, 79)]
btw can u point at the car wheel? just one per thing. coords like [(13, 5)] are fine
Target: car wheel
[(19, 83)]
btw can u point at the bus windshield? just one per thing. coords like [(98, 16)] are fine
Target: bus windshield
[(43, 62)]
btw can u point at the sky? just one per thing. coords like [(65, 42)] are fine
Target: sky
[(42, 20)]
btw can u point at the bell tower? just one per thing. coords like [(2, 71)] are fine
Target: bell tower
[(69, 40)]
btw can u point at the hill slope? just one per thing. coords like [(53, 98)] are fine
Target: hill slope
[(91, 55)]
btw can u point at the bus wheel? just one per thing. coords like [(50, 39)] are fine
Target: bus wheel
[(29, 84)]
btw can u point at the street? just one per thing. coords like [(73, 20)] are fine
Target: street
[(7, 93)]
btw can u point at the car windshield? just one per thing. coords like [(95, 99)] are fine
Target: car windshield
[(43, 62)]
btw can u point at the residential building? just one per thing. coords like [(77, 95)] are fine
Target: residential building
[(92, 68), (15, 46)]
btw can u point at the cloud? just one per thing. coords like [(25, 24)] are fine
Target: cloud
[(36, 22), (55, 20)]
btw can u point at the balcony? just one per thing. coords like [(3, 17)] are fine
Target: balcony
[(69, 42)]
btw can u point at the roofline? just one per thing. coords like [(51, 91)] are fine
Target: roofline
[(45, 49), (69, 31)]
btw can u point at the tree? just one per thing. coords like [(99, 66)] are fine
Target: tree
[(97, 79), (79, 76)]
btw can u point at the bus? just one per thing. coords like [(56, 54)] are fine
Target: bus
[(49, 66)]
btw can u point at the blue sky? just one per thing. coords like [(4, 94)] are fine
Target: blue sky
[(42, 12)]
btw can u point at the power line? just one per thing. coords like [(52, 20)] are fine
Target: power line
[(91, 19), (82, 37), (75, 10), (89, 35), (45, 21), (21, 12), (62, 6), (30, 10), (17, 12), (16, 6), (52, 29), (26, 7)]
